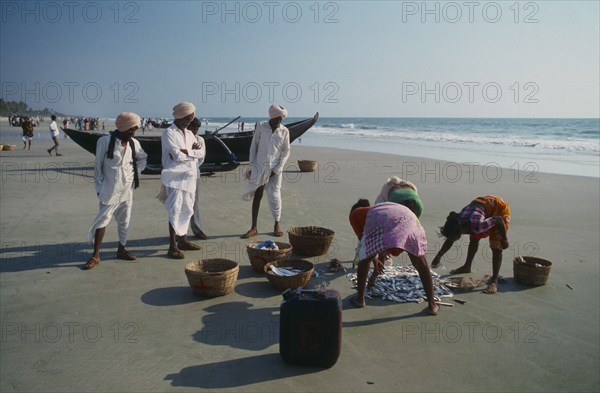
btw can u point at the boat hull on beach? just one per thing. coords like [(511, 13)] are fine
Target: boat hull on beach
[(218, 158)]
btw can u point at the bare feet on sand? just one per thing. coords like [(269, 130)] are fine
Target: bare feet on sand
[(460, 270), (357, 303), (433, 309), (491, 288)]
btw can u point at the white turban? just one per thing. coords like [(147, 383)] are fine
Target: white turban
[(127, 120), (276, 111), (183, 109)]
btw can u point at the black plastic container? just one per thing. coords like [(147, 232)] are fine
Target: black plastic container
[(310, 327)]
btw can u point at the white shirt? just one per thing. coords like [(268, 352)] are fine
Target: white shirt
[(179, 169), (269, 150), (54, 129), (114, 176)]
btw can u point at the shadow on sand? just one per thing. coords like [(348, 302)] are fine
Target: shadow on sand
[(238, 372), (22, 256)]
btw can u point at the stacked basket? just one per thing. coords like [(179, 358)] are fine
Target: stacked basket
[(259, 258), (212, 277), (310, 241), (299, 280), (531, 270)]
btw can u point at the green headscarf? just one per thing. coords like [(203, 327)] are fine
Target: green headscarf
[(407, 194)]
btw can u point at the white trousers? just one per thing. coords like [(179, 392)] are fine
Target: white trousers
[(180, 207), (121, 212), (273, 192)]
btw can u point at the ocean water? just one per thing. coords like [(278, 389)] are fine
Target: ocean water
[(562, 146), (565, 146)]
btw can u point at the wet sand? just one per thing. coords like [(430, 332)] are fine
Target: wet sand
[(125, 327)]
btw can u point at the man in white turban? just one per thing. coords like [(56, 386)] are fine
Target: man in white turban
[(269, 151), (180, 154), (119, 162)]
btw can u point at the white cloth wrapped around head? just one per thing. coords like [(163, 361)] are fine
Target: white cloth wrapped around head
[(183, 109), (276, 111), (127, 120)]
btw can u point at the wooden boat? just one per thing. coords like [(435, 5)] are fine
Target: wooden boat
[(218, 158)]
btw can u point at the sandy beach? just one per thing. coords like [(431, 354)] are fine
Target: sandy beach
[(132, 327)]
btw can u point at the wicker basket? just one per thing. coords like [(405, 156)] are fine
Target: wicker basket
[(307, 165), (258, 258), (9, 147), (528, 273), (299, 280), (310, 241), (212, 277)]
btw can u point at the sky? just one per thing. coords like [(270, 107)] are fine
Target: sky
[(495, 59)]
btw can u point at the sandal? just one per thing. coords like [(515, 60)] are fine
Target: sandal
[(251, 233), (175, 254), (91, 263), (278, 233), (126, 256), (189, 246)]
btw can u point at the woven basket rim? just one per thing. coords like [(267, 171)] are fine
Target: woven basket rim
[(288, 261), (544, 262), (249, 246), (295, 281), (233, 266), (329, 232)]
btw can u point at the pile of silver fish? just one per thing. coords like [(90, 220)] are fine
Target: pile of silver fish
[(402, 284), (285, 271)]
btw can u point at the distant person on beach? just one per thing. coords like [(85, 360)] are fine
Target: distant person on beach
[(195, 222), (485, 216), (180, 153), (54, 132), (269, 151), (389, 229), (27, 127), (119, 161)]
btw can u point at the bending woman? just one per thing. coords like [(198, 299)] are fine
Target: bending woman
[(391, 228), (486, 216)]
